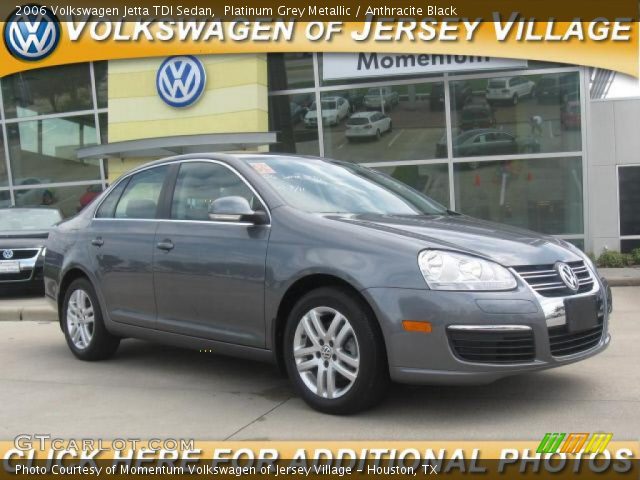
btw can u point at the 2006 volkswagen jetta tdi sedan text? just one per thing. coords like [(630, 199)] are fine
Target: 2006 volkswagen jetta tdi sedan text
[(341, 274)]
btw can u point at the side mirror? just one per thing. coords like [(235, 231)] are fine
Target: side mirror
[(235, 209)]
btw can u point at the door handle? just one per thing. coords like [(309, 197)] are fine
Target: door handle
[(165, 245), (98, 242)]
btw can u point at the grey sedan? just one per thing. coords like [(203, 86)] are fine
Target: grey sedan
[(343, 276)]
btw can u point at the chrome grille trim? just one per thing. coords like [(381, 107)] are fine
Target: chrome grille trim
[(544, 279)]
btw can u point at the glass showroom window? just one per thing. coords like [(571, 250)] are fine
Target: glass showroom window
[(44, 151), (48, 91), (508, 115), (386, 123), (5, 199), (101, 75), (544, 194), (430, 179), (69, 200), (629, 192), (4, 176), (289, 71), (286, 115)]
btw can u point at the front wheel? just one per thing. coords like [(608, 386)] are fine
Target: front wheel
[(334, 352), (83, 324)]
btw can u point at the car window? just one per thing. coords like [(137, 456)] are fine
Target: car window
[(141, 196), (200, 183), (108, 205)]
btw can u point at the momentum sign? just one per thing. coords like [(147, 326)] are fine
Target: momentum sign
[(340, 66)]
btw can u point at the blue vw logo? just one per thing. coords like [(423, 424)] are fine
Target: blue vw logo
[(33, 35), (181, 80)]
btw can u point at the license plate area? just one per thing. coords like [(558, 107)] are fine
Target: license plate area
[(581, 313), (9, 267)]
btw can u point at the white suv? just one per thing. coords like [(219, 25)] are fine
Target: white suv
[(509, 89)]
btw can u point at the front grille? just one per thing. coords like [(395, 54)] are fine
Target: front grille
[(19, 254), (492, 347), (564, 343), (545, 280)]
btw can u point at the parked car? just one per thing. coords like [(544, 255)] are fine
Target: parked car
[(23, 232), (367, 125), (509, 89), (460, 91), (570, 117), (557, 88), (477, 115), (334, 110), (378, 98), (477, 142), (343, 275)]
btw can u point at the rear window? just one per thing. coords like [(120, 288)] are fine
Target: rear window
[(358, 121)]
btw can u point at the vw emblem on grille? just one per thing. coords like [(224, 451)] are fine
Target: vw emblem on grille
[(180, 81), (33, 35), (568, 276), (7, 254)]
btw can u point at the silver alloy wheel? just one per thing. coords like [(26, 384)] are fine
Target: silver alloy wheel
[(326, 352), (80, 319)]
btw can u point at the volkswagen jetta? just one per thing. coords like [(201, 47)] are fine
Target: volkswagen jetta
[(344, 276)]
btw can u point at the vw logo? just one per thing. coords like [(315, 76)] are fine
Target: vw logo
[(326, 352), (568, 276), (181, 80), (7, 254), (32, 36)]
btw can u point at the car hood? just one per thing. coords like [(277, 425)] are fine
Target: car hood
[(507, 245), (23, 239)]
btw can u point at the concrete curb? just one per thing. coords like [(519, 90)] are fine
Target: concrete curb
[(28, 309), (621, 277)]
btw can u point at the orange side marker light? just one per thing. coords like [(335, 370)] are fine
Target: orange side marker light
[(416, 326)]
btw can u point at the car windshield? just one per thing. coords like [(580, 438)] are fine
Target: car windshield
[(357, 121), (496, 84), (329, 105), (318, 186), (20, 219)]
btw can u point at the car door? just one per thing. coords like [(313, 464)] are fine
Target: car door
[(209, 276), (121, 244)]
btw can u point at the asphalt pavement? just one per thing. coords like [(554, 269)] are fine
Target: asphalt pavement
[(150, 390)]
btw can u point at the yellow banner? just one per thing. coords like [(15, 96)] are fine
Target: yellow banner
[(611, 45)]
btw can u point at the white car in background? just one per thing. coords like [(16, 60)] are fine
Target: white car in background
[(367, 125), (334, 110), (509, 89)]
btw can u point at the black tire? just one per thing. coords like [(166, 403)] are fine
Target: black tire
[(102, 344), (371, 382), (378, 134), (514, 99), (390, 127)]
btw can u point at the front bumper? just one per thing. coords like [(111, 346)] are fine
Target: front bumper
[(420, 358), (29, 274)]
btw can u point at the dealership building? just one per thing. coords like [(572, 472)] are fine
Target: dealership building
[(530, 144)]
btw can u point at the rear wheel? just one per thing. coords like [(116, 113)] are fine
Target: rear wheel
[(334, 352), (515, 99), (83, 324)]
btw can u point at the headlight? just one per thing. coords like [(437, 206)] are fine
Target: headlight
[(444, 270)]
